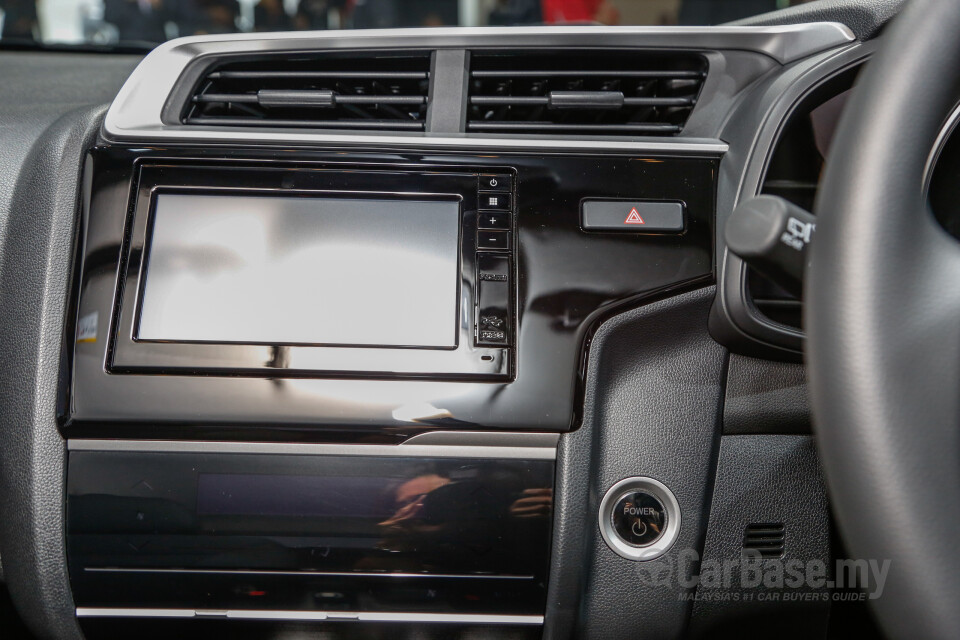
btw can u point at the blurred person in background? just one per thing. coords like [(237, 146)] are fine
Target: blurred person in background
[(322, 14), (271, 15), (217, 16), (566, 11), (701, 12), (146, 20), (19, 19), (510, 12)]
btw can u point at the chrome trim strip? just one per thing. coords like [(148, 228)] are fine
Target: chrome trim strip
[(515, 446), (485, 439), (136, 113), (308, 616), (227, 135), (98, 612), (334, 574)]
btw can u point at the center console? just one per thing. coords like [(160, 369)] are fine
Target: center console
[(331, 388), (412, 533), (247, 295)]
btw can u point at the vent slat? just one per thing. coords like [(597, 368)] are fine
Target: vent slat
[(307, 75), (609, 93), (561, 73), (361, 91), (253, 98), (545, 101), (768, 539), (319, 124), (573, 128)]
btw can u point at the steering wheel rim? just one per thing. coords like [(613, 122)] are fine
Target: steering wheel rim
[(883, 322)]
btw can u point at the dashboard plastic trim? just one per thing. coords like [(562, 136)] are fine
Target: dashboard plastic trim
[(311, 616), (514, 446), (137, 114)]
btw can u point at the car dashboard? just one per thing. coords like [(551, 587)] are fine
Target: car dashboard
[(423, 332)]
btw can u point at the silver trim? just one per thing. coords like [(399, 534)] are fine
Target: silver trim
[(617, 544), (335, 574), (308, 616), (225, 135), (946, 131), (136, 113), (514, 446)]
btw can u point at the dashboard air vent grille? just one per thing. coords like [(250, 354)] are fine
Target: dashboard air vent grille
[(765, 539), (363, 91), (601, 94)]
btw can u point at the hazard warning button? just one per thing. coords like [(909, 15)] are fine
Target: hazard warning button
[(632, 216)]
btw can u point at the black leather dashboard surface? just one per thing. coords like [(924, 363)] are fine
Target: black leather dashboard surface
[(866, 18), (50, 111)]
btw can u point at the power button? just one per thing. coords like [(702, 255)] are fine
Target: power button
[(639, 518), (497, 182)]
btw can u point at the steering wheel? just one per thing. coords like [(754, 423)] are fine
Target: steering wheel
[(883, 322)]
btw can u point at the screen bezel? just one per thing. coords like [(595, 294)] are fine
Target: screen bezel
[(464, 360)]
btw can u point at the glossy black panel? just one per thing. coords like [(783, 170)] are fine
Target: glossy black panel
[(325, 533), (159, 629), (567, 281), (369, 353)]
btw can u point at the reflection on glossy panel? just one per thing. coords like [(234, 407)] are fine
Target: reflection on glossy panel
[(287, 270), (309, 532), (567, 282)]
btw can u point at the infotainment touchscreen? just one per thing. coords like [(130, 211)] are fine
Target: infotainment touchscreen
[(352, 271)]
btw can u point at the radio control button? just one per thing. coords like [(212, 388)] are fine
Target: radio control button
[(493, 240), (493, 267), (493, 220), (493, 299), (497, 182), (494, 201)]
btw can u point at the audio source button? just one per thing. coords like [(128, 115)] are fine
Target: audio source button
[(494, 201)]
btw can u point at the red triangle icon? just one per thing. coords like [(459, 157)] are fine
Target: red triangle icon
[(634, 217)]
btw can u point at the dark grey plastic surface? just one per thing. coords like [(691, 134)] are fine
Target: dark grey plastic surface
[(765, 397), (653, 409), (449, 67), (765, 479), (734, 321), (46, 123), (33, 295), (866, 18)]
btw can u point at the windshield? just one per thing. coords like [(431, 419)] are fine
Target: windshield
[(146, 23)]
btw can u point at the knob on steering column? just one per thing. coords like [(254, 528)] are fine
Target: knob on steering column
[(773, 236)]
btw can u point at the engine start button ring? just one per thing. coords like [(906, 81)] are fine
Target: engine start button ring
[(639, 518)]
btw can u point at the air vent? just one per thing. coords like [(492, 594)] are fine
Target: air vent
[(766, 539), (359, 92), (602, 94)]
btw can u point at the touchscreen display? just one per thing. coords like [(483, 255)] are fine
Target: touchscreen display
[(302, 270)]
